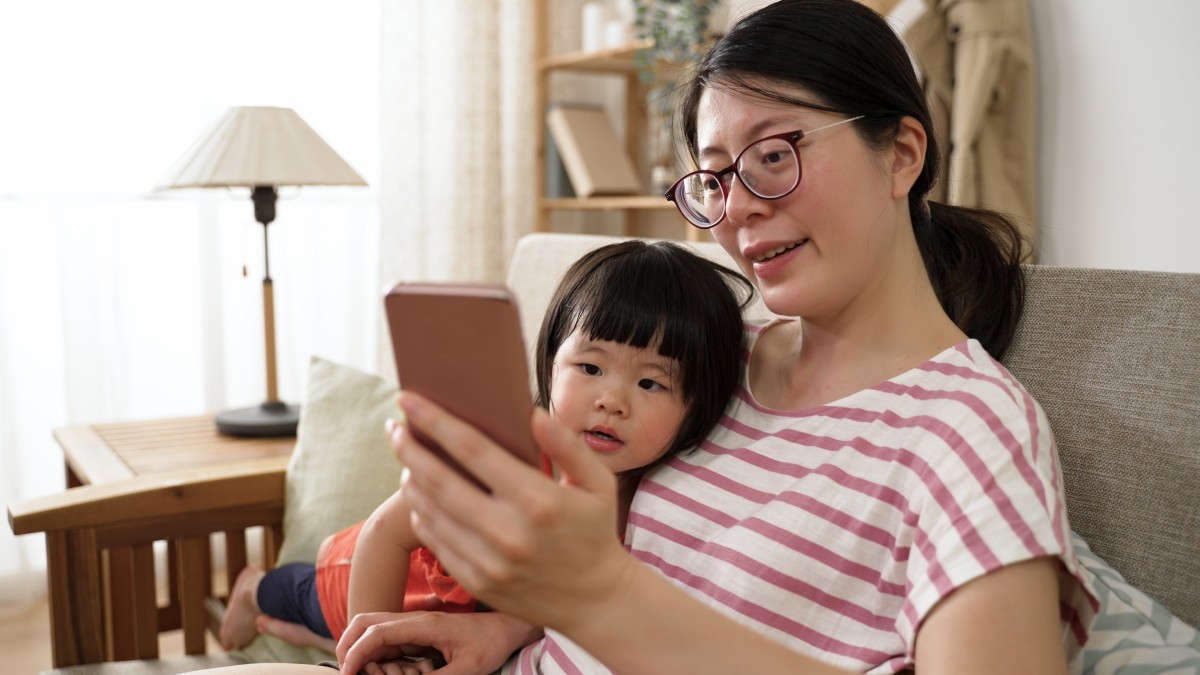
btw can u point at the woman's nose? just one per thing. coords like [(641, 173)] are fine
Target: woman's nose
[(742, 207)]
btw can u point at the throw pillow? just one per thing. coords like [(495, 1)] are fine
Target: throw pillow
[(343, 465), (1131, 634), (341, 470)]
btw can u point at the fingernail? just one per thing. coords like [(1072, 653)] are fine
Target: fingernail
[(404, 475)]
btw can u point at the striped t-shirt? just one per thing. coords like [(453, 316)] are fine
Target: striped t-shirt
[(836, 529)]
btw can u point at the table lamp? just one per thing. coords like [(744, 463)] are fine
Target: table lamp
[(261, 148)]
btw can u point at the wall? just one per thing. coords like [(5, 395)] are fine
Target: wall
[(1119, 95)]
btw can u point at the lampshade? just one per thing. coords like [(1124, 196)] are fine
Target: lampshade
[(262, 149), (252, 146)]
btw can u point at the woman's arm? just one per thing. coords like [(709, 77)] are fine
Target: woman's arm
[(379, 568), (1004, 622), (544, 551)]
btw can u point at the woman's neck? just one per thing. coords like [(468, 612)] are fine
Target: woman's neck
[(811, 362)]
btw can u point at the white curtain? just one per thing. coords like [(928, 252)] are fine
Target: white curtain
[(117, 303), (457, 137)]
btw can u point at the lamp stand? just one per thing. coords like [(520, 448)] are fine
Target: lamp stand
[(271, 417)]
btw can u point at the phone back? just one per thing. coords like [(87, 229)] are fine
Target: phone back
[(460, 346)]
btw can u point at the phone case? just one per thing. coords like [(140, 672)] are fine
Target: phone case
[(460, 346)]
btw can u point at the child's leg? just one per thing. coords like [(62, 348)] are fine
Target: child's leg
[(237, 627), (288, 593)]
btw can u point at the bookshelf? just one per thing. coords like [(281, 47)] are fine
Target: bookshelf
[(618, 62)]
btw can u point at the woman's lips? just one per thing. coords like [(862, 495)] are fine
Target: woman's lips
[(772, 262), (602, 441)]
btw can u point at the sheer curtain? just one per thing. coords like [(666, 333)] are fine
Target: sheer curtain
[(457, 137), (117, 303)]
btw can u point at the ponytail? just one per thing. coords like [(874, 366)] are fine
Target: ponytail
[(973, 259)]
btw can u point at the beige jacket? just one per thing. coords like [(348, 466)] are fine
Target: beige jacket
[(976, 61)]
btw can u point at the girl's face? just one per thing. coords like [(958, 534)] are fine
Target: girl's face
[(625, 402), (821, 249)]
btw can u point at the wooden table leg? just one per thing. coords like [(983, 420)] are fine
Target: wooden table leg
[(73, 572)]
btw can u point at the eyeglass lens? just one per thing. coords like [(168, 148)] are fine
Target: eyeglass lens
[(769, 169)]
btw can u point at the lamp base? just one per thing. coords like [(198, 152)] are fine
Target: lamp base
[(271, 418)]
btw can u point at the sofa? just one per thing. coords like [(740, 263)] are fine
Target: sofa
[(1114, 358)]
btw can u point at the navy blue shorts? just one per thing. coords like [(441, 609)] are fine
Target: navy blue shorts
[(289, 593)]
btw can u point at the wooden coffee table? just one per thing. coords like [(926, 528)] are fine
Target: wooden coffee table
[(130, 485)]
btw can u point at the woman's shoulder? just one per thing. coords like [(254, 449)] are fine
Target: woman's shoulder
[(965, 387)]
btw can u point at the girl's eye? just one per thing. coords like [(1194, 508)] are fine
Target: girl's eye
[(651, 385), (590, 369)]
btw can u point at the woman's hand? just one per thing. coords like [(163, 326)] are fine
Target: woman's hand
[(469, 643), (541, 550)]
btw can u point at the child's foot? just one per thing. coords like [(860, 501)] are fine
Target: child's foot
[(237, 628)]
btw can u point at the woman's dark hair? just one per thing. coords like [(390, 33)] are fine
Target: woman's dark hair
[(850, 61), (660, 295)]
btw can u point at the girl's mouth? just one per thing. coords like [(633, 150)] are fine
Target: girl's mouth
[(602, 441)]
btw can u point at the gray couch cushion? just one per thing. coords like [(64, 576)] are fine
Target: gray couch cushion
[(1114, 358)]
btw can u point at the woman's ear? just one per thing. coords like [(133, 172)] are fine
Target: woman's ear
[(908, 156)]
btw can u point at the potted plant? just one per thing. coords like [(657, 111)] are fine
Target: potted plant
[(679, 30)]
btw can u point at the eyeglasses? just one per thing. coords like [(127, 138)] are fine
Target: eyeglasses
[(768, 167)]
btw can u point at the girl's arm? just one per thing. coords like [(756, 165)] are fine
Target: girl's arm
[(379, 568), (544, 551)]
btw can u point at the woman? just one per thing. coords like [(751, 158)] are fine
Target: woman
[(881, 495)]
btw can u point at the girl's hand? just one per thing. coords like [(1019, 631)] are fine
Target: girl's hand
[(544, 551), (469, 643)]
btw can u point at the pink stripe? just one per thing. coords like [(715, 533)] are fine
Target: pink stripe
[(1009, 384), (765, 616), (878, 491), (936, 574), (827, 557), (792, 540), (650, 486), (974, 462), (971, 459), (560, 657), (1068, 614), (965, 373), (914, 463), (1058, 504), (526, 666), (769, 575)]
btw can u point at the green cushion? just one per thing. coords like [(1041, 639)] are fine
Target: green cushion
[(341, 470), (343, 465)]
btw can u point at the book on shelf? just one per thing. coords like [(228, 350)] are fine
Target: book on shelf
[(558, 184), (595, 160)]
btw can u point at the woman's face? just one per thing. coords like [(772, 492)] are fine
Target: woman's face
[(823, 249)]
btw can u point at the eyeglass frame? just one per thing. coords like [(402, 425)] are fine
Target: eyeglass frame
[(793, 137)]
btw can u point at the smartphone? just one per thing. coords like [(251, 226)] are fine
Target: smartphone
[(460, 346)]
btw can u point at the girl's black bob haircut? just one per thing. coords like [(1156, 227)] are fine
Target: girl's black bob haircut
[(660, 295)]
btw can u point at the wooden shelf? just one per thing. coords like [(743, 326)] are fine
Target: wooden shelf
[(614, 60), (608, 203), (617, 62)]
